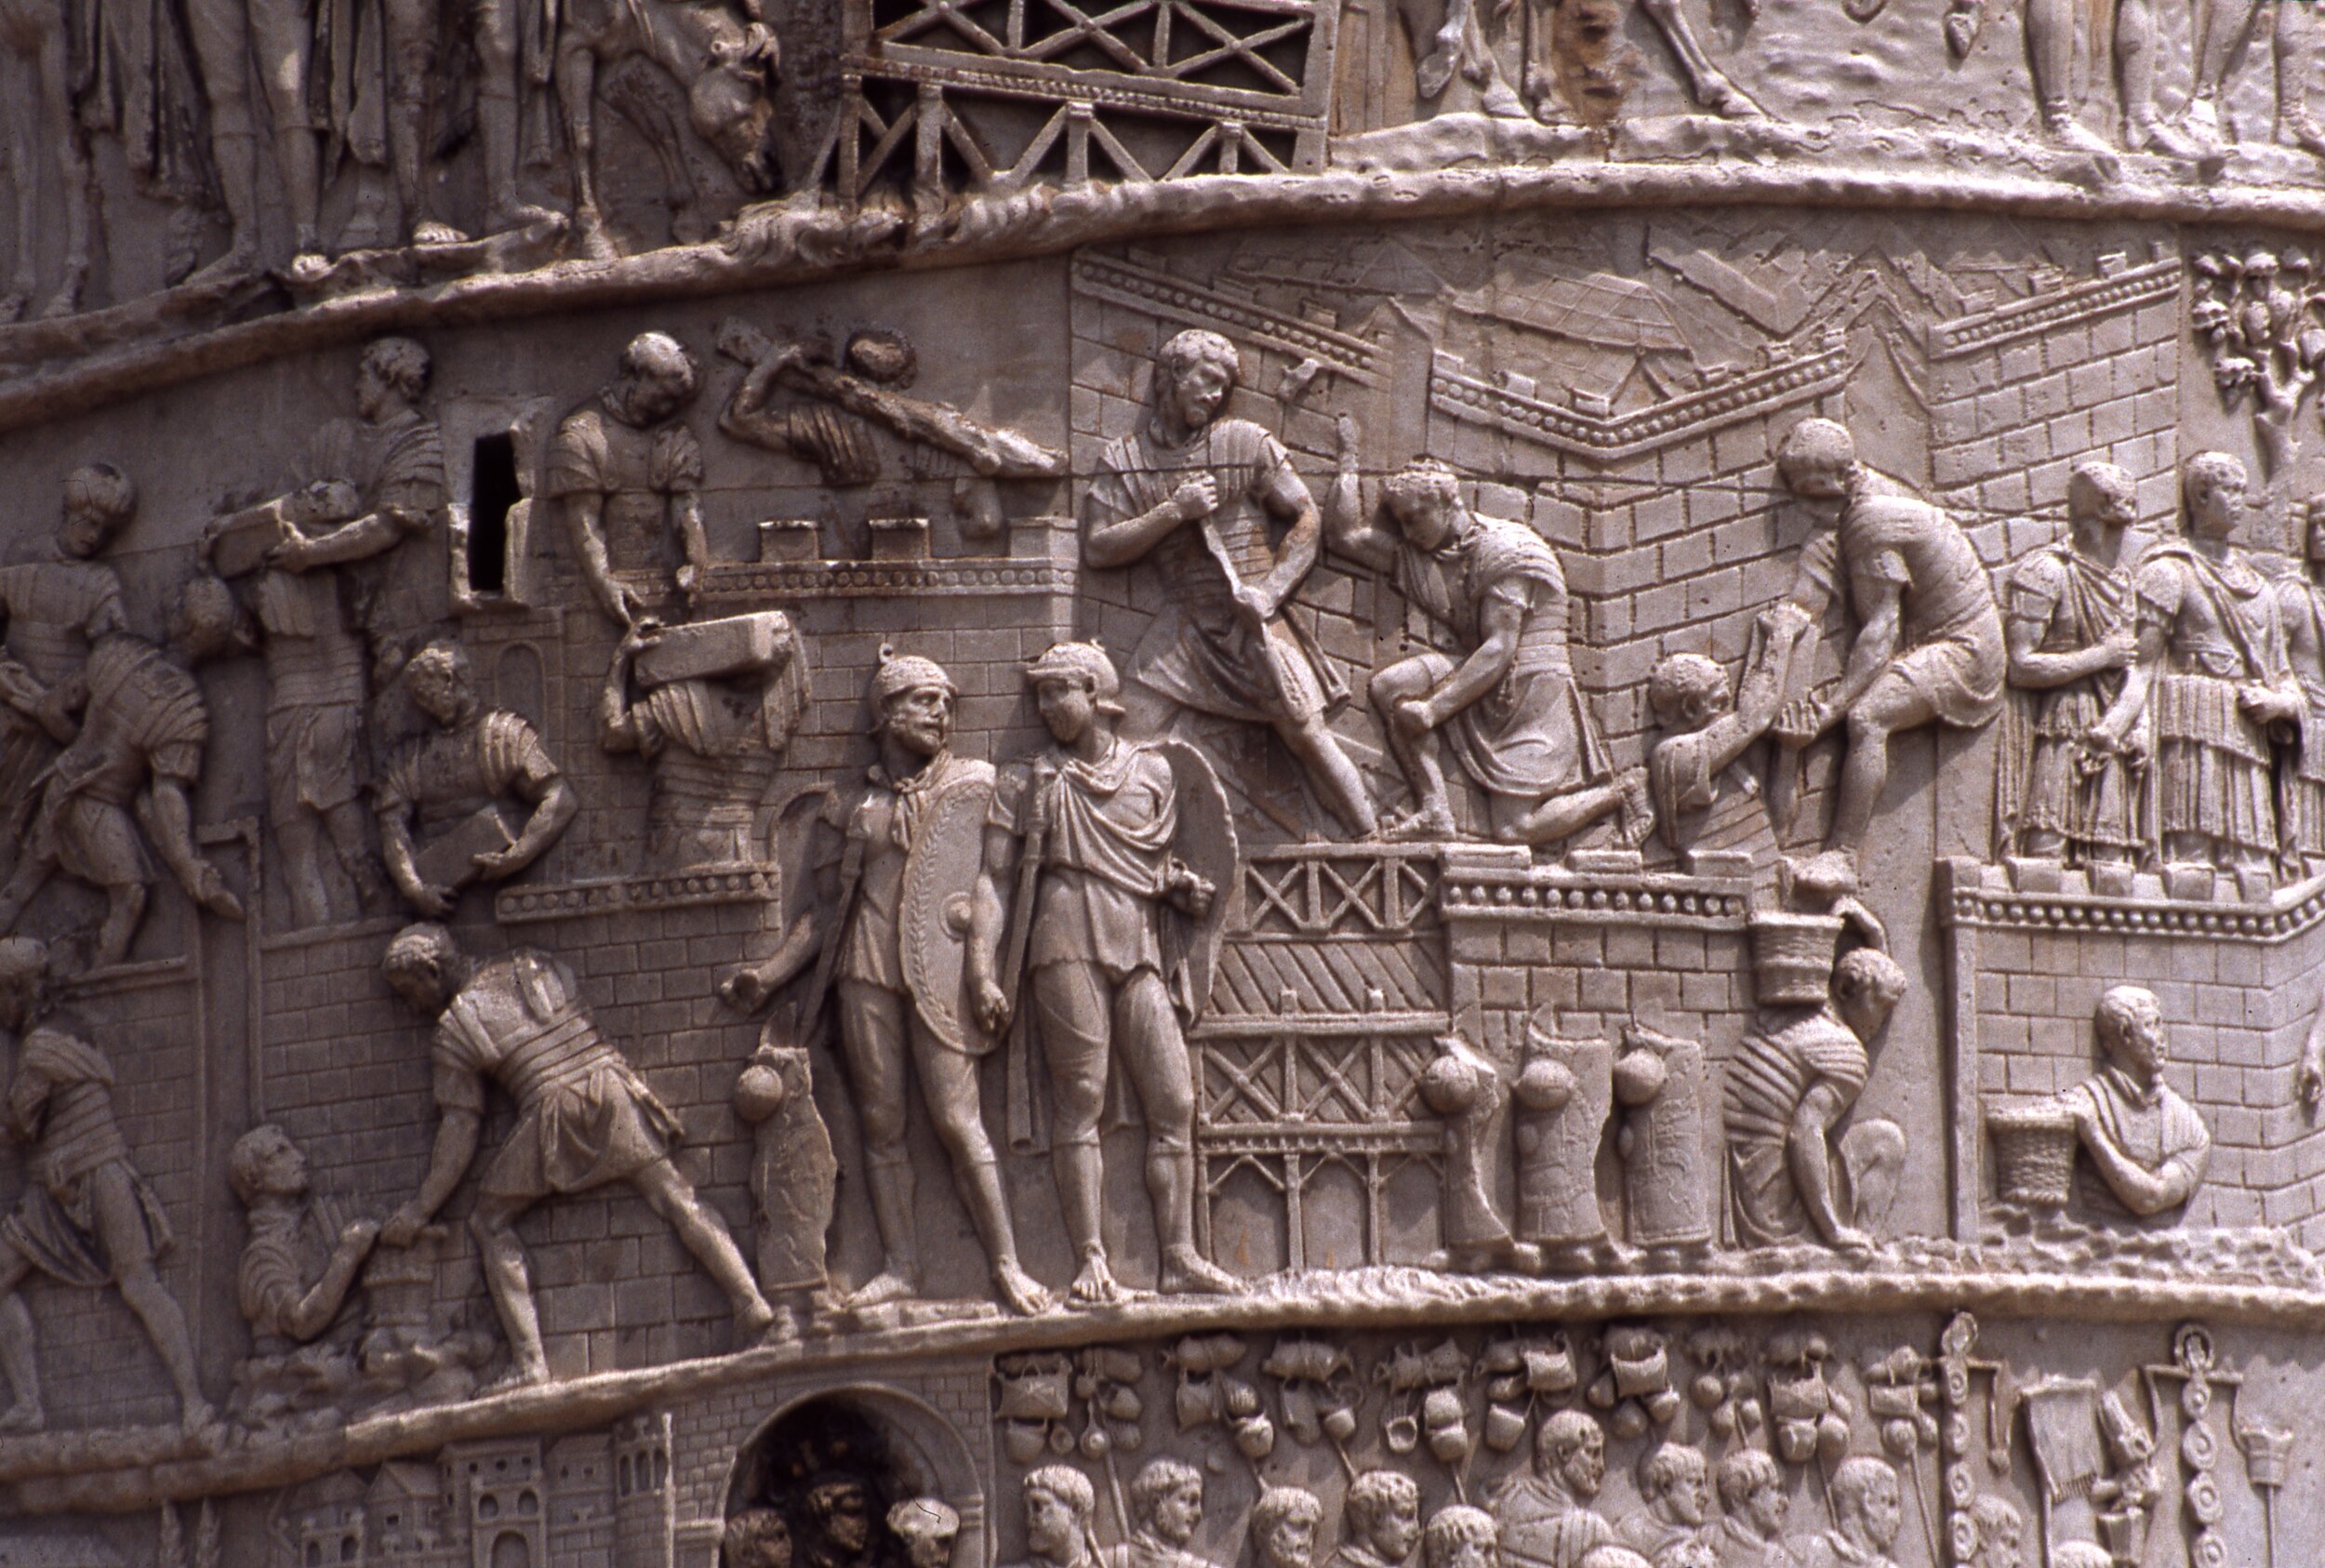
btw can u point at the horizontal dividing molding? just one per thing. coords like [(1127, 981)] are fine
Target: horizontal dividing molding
[(1613, 437), (1050, 84), (1318, 1026), (973, 577), (1169, 298), (2293, 911), (123, 1470), (2155, 282), (529, 903), (764, 251), (1553, 896)]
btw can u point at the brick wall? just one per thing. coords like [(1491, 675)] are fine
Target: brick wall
[(2239, 1005)]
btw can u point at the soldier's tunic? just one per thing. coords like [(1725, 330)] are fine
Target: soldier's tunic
[(1950, 650), (1097, 924), (1650, 1538), (60, 1107), (880, 830), (711, 765), (271, 1279), (1146, 1550), (1771, 1075), (1545, 1526), (2221, 632), (57, 611), (584, 1116), (397, 463), (639, 473), (2301, 605), (315, 680), (144, 718), (1531, 735), (1740, 1549), (1698, 809), (1202, 652), (2154, 1129), (2091, 801), (453, 774), (1112, 824)]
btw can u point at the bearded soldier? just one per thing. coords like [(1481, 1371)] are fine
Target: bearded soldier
[(895, 959), (1927, 644), (1194, 493), (584, 1119), (1101, 821)]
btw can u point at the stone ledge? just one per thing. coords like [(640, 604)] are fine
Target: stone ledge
[(712, 885), (1966, 898), (775, 244), (148, 1466)]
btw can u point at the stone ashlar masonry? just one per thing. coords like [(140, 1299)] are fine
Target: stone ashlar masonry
[(2235, 986)]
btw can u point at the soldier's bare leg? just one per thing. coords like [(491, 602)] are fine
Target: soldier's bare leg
[(948, 1083), (1335, 778), (1709, 83), (871, 1037), (669, 1193), (119, 1221), (1890, 704), (79, 181), (1569, 811), (576, 83), (20, 1351), (125, 896), (2296, 54), (496, 102), (347, 823), (509, 1278), (2051, 57), (300, 836), (411, 38), (2225, 25), (1074, 1007), (1432, 815), (1154, 1052), (280, 31), (222, 44), (2135, 63)]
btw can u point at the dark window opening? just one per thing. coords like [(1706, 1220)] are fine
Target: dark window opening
[(492, 492)]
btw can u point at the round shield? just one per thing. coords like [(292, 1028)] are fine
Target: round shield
[(939, 875)]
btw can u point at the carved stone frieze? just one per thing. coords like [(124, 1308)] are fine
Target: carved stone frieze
[(1199, 784)]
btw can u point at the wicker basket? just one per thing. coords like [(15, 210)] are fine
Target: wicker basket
[(2034, 1154), (1792, 957)]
